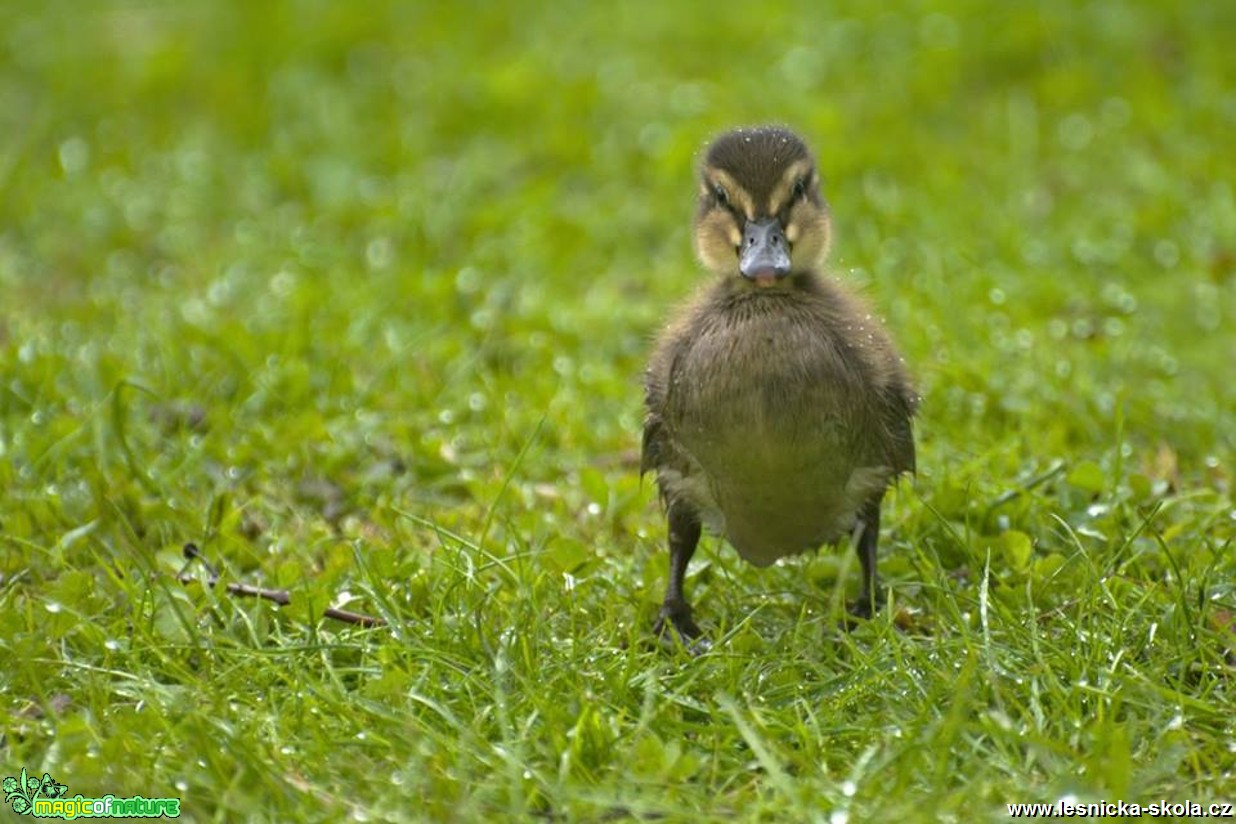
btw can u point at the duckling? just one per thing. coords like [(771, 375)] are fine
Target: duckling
[(777, 408)]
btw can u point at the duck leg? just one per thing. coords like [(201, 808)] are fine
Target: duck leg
[(684, 535), (867, 538)]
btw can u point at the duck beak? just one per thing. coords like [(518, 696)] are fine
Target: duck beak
[(765, 256)]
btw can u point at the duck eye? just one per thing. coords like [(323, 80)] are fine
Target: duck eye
[(800, 188), (722, 197)]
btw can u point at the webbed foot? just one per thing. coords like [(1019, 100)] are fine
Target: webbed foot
[(675, 628)]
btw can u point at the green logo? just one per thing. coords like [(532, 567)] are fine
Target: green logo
[(23, 791), (44, 798)]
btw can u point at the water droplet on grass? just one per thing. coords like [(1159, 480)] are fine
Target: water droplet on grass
[(1075, 132), (74, 155), (379, 253), (467, 281), (1166, 254)]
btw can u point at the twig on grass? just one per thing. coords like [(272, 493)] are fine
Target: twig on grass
[(1057, 468), (280, 596)]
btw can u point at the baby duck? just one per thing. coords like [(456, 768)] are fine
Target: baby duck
[(778, 409)]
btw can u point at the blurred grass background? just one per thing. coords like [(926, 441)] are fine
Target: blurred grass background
[(357, 297)]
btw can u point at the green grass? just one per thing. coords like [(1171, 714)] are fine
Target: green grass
[(357, 297)]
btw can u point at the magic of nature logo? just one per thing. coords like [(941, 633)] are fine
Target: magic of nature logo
[(45, 798)]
